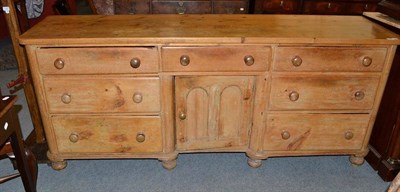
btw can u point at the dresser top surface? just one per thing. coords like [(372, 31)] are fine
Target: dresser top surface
[(164, 29)]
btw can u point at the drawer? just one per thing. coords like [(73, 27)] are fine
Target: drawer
[(241, 58), (182, 7), (230, 7), (338, 8), (313, 92), (102, 94), (296, 132), (329, 59), (280, 6), (112, 60), (107, 134), (132, 7)]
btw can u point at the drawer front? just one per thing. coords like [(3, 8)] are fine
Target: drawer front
[(280, 6), (102, 94), (115, 60), (182, 7), (107, 134), (329, 59), (336, 92), (132, 7), (296, 132), (230, 7), (216, 58)]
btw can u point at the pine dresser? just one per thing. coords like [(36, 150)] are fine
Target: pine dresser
[(155, 86)]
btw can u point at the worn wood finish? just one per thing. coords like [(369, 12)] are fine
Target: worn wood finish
[(220, 29), (102, 95), (230, 7), (182, 7), (293, 132), (206, 91), (333, 92), (107, 134), (213, 112), (98, 60), (132, 6), (216, 58), (333, 59)]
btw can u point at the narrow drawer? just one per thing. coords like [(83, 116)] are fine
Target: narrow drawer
[(107, 134), (241, 58), (182, 7), (113, 60), (102, 94), (333, 92), (296, 132), (230, 7), (280, 6), (329, 59)]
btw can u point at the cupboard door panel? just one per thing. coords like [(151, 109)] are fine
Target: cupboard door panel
[(213, 112)]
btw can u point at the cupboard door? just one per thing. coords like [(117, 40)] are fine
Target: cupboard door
[(213, 112)]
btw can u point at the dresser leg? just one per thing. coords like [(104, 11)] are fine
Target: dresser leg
[(169, 164), (59, 165), (254, 163), (356, 160)]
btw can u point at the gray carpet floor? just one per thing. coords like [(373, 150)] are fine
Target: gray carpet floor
[(195, 172)]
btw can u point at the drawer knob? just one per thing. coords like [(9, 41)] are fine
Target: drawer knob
[(296, 61), (59, 63), (182, 116), (249, 60), (180, 9), (348, 135), (74, 137), (66, 98), (367, 61), (137, 97), (359, 95), (135, 62), (185, 60), (285, 135), (140, 137), (294, 96)]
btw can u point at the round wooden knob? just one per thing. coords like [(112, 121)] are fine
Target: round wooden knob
[(185, 60), (59, 63), (137, 97), (140, 137), (285, 135), (74, 137), (66, 98), (294, 96), (367, 61), (359, 95), (348, 135), (135, 63), (249, 60), (182, 116), (296, 61)]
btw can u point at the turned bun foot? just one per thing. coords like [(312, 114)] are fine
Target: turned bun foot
[(254, 163), (169, 164), (59, 165), (356, 161)]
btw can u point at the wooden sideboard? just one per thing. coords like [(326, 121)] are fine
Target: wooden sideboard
[(170, 6), (319, 7), (155, 86)]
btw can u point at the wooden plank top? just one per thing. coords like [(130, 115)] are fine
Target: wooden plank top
[(164, 29)]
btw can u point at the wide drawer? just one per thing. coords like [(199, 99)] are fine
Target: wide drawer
[(86, 94), (329, 59), (182, 7), (312, 92), (103, 60), (293, 132), (230, 7), (241, 58), (107, 134)]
